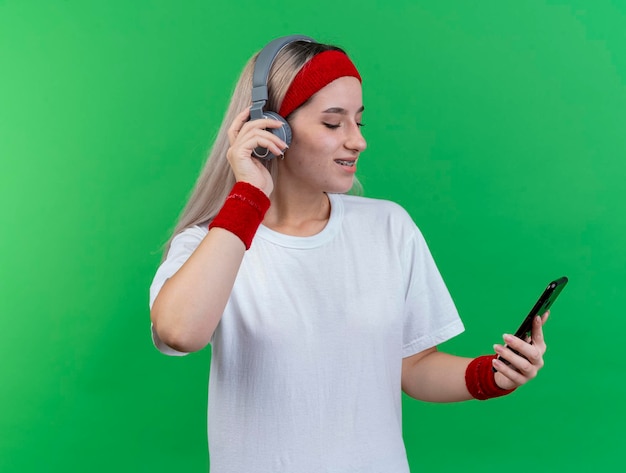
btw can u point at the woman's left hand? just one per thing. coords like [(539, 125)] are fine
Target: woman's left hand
[(525, 365)]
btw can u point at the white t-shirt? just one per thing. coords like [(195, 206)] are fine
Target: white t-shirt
[(306, 363)]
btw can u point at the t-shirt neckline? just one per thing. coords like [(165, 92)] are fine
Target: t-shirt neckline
[(313, 241)]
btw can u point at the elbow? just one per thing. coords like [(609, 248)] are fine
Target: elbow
[(179, 336), (180, 342)]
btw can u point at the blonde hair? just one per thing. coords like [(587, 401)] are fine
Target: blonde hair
[(216, 178)]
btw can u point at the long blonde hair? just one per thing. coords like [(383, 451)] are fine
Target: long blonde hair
[(216, 178)]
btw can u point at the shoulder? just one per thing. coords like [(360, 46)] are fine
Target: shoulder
[(375, 208), (378, 215), (181, 248), (372, 205), (188, 240)]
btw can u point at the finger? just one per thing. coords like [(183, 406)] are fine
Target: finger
[(527, 350), (515, 358), (506, 371), (522, 356), (263, 134), (237, 124), (242, 123), (243, 118), (262, 139), (537, 332), (258, 130), (271, 142), (261, 124)]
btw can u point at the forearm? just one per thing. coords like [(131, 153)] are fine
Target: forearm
[(436, 377), (190, 304)]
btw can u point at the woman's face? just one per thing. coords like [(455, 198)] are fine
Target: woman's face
[(327, 139)]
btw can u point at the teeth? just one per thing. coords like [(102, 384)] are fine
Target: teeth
[(345, 163)]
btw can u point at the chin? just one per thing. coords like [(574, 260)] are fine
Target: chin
[(341, 188)]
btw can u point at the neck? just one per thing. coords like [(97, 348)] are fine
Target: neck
[(297, 213)]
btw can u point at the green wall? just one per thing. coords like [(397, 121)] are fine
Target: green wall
[(500, 126)]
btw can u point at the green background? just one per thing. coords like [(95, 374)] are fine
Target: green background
[(500, 126)]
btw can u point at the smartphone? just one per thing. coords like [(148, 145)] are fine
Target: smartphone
[(543, 304)]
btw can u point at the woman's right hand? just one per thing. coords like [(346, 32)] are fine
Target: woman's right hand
[(244, 137)]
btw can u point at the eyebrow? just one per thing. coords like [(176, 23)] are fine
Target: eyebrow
[(341, 111)]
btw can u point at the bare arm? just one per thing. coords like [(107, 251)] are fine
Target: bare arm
[(439, 377), (190, 304), (434, 376)]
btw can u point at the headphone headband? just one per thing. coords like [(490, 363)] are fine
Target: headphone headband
[(262, 67)]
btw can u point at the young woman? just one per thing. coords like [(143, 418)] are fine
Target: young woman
[(320, 307)]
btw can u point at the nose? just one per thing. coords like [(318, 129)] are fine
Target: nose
[(355, 140)]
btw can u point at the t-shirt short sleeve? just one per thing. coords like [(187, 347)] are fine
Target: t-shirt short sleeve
[(430, 315), (181, 248)]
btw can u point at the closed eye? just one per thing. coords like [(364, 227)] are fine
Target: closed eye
[(333, 126)]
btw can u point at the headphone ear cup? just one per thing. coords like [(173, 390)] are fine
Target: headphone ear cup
[(284, 132)]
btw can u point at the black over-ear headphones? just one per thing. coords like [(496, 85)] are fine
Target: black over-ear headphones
[(262, 67)]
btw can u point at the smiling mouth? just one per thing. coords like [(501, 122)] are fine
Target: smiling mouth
[(345, 163)]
